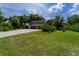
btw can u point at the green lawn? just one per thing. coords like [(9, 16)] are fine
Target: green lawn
[(41, 43)]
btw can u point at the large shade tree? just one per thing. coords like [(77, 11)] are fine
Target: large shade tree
[(35, 17), (23, 20), (15, 21)]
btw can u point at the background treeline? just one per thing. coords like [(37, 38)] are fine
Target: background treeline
[(59, 23), (56, 23), (17, 22)]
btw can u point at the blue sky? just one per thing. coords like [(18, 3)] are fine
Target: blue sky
[(48, 10)]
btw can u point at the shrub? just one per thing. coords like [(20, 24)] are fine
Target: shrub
[(52, 28), (5, 26), (48, 28), (45, 27), (75, 27), (63, 29), (66, 26)]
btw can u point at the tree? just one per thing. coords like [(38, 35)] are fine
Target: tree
[(23, 20), (58, 21), (15, 22), (5, 26), (1, 16), (73, 19), (20, 21), (35, 17), (48, 28), (50, 21)]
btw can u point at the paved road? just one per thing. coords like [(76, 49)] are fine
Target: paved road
[(15, 32)]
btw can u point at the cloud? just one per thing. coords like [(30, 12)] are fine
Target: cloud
[(34, 11), (11, 9), (74, 9), (56, 8), (76, 5), (39, 8), (24, 8)]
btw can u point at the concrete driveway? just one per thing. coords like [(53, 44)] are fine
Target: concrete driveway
[(15, 32)]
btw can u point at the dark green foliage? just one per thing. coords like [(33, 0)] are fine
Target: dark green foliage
[(58, 21), (63, 29), (75, 27), (1, 16), (52, 24), (4, 26), (15, 22), (73, 19), (48, 28), (45, 27), (52, 28), (20, 21), (35, 17), (66, 26), (50, 21), (23, 20)]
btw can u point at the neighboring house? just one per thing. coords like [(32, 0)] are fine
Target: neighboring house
[(34, 25)]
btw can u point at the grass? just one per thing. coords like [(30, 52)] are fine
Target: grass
[(41, 43)]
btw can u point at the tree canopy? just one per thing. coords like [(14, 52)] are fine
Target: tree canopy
[(73, 19), (58, 21), (1, 16)]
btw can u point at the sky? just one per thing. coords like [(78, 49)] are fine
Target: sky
[(47, 10)]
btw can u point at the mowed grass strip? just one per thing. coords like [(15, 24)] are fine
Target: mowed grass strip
[(41, 44)]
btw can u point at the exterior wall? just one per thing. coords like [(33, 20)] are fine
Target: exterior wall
[(34, 25)]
